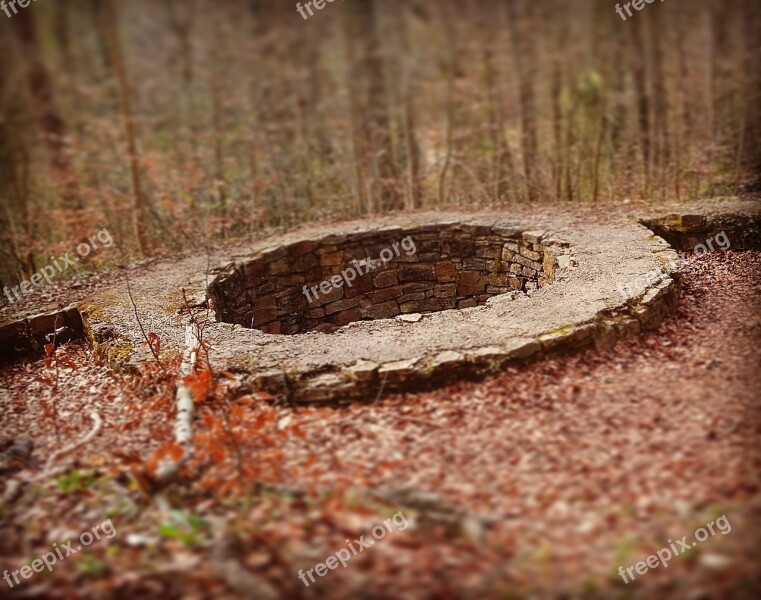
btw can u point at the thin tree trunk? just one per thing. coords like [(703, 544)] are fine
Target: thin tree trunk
[(450, 66), (215, 83), (53, 127), (521, 30), (117, 59), (660, 100), (358, 139), (643, 101), (370, 74), (407, 85)]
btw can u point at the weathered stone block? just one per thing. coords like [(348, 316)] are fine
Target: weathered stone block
[(273, 328), (386, 310), (427, 245), (362, 370), (506, 230), (264, 288), (533, 255), (332, 259), (527, 262), (497, 279), (272, 254), (385, 294), (458, 247), (427, 305), (446, 290), (333, 295), (305, 264), (521, 348), (281, 266), (446, 362), (353, 253), (446, 272), (491, 251), (423, 286), (385, 279), (534, 237), (692, 221), (419, 272), (474, 230), (265, 302), (345, 317), (469, 283), (491, 289), (263, 315), (358, 287), (299, 249), (475, 264), (417, 296), (341, 305), (548, 265), (326, 248), (289, 281)]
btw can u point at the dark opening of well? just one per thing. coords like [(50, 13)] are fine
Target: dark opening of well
[(452, 266)]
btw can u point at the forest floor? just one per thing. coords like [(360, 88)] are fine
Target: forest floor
[(539, 482)]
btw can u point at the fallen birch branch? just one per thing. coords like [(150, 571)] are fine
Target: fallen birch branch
[(48, 470), (183, 423)]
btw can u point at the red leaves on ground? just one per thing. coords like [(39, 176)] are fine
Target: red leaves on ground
[(154, 341), (199, 385)]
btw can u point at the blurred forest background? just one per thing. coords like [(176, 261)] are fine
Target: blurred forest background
[(179, 123)]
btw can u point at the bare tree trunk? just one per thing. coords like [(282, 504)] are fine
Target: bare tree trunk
[(521, 26), (358, 140), (495, 132), (751, 119), (684, 127), (215, 83), (52, 126), (370, 74), (660, 99), (450, 67), (117, 59), (556, 90), (61, 30), (407, 94), (643, 101), (717, 14), (180, 18)]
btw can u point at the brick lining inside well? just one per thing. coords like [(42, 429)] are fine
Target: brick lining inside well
[(454, 266)]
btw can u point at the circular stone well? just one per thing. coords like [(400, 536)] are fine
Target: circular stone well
[(478, 293), (324, 284)]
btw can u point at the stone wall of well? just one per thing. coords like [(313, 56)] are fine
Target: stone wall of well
[(454, 266)]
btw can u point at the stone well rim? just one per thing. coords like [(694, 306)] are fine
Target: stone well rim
[(625, 279)]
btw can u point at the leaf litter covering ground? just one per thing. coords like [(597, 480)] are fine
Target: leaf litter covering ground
[(536, 483)]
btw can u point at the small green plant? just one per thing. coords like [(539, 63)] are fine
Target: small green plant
[(76, 481), (91, 566), (170, 531)]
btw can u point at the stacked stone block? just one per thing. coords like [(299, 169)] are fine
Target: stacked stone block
[(454, 266)]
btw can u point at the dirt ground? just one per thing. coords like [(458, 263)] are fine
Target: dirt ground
[(537, 483)]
